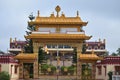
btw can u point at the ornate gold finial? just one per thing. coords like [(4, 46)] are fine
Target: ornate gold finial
[(62, 15), (52, 15), (57, 10), (104, 41), (77, 13), (38, 13), (10, 40)]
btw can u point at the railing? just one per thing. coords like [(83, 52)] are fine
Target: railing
[(49, 32)]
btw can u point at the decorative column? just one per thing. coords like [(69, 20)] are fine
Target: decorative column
[(21, 71), (79, 64), (35, 70), (35, 47)]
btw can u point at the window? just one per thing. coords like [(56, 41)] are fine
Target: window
[(18, 46), (64, 30), (16, 69), (96, 47), (48, 46), (89, 47), (99, 70), (66, 46), (60, 46), (47, 29), (102, 47), (13, 46)]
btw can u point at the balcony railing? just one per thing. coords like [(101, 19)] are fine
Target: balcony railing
[(49, 32)]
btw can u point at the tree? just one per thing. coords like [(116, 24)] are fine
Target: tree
[(106, 54), (113, 54), (110, 75), (84, 47), (4, 76), (74, 55), (41, 55), (118, 51), (28, 48)]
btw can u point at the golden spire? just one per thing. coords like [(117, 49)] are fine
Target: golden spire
[(10, 40), (38, 13), (62, 15), (77, 13), (52, 15), (57, 10)]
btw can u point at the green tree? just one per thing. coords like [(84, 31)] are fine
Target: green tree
[(114, 54), (41, 55), (110, 75), (4, 76), (74, 55), (44, 68), (118, 51), (71, 69), (28, 48), (84, 47), (106, 54)]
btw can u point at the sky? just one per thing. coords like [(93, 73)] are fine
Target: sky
[(103, 18)]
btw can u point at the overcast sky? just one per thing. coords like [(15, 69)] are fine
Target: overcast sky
[(103, 18)]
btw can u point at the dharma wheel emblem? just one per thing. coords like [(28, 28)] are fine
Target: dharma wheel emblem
[(57, 10)]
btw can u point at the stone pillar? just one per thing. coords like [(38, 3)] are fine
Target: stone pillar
[(79, 64), (35, 70), (35, 47), (21, 71), (79, 70)]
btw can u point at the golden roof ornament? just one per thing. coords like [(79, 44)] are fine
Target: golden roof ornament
[(38, 13), (57, 10), (77, 13)]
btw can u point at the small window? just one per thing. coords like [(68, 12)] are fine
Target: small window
[(89, 47), (16, 67), (99, 70), (60, 46), (48, 46), (102, 47), (18, 46), (66, 46), (96, 47), (13, 46)]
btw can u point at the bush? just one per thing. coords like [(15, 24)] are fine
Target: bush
[(110, 73), (64, 70), (44, 68), (4, 76), (71, 69)]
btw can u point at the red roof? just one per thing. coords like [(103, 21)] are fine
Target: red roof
[(110, 60)]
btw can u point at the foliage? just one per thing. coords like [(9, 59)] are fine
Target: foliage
[(84, 47), (63, 70), (41, 55), (71, 69), (110, 75), (28, 48), (4, 76), (106, 54), (44, 68), (75, 55), (118, 51), (53, 68), (114, 54)]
